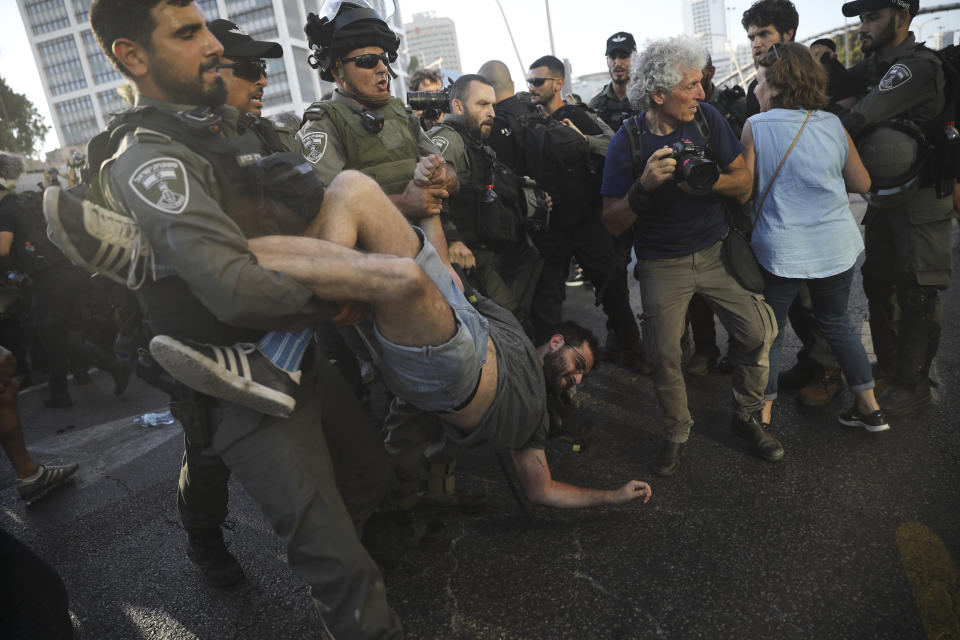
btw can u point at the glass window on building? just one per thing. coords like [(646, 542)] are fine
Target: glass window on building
[(61, 66), (305, 73), (256, 17), (81, 10), (296, 17), (45, 16), (110, 102), (209, 8), (100, 65), (278, 86), (77, 119)]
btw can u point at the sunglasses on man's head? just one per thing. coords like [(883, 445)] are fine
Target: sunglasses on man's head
[(369, 60), (538, 82), (247, 69)]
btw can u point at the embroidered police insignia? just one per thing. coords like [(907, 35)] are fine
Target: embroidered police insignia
[(896, 76), (314, 145), (162, 183)]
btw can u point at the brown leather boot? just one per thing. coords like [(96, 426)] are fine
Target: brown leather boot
[(822, 389)]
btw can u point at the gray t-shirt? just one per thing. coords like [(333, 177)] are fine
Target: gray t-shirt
[(517, 418)]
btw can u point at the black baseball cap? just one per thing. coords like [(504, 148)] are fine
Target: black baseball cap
[(855, 8), (621, 41), (237, 44)]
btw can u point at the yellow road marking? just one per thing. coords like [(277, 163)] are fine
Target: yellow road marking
[(933, 579)]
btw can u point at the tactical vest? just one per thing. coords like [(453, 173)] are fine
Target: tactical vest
[(251, 190), (389, 156), (248, 191), (489, 211), (611, 111)]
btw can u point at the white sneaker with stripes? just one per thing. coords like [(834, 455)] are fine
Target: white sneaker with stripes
[(238, 373), (98, 240)]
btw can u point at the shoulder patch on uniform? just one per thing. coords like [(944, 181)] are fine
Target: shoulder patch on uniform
[(314, 145), (162, 183), (440, 142), (896, 76)]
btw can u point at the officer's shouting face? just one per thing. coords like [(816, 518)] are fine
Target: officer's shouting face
[(363, 74), (477, 109), (878, 29), (618, 62), (543, 85), (244, 79), (763, 37), (564, 365), (681, 103), (179, 62)]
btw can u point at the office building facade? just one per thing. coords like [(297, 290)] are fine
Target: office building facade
[(433, 41)]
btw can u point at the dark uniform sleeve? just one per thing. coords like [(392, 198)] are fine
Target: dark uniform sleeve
[(450, 145), (167, 189), (321, 145), (911, 82)]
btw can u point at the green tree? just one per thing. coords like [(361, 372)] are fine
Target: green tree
[(414, 64), (22, 129), (856, 55)]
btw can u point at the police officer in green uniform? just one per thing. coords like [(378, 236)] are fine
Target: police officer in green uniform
[(209, 287), (486, 232), (363, 127), (907, 232), (612, 104)]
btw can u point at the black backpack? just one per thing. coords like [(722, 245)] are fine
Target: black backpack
[(559, 159), (33, 251), (943, 166)]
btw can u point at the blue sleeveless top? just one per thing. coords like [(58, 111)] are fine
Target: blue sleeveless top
[(806, 229)]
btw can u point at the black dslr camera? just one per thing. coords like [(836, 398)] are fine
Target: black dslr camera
[(432, 103), (693, 166)]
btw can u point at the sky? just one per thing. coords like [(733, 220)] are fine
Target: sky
[(482, 35)]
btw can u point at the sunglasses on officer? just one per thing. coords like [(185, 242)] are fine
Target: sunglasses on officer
[(538, 82), (250, 70), (369, 60)]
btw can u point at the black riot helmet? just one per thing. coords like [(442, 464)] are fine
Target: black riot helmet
[(343, 26), (894, 153)]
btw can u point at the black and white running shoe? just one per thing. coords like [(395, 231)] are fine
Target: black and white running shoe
[(97, 239), (238, 373), (873, 422)]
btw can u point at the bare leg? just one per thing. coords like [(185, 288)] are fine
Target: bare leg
[(356, 213), (867, 401), (11, 436)]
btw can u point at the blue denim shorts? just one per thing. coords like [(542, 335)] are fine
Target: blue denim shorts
[(438, 378)]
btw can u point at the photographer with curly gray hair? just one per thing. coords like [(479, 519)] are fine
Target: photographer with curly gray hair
[(667, 173)]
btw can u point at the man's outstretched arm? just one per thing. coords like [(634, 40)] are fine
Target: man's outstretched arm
[(540, 487)]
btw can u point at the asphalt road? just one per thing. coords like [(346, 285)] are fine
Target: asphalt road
[(853, 535)]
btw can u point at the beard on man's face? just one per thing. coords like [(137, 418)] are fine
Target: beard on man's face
[(553, 371), (193, 91), (869, 44)]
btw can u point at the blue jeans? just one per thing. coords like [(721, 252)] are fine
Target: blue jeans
[(829, 297)]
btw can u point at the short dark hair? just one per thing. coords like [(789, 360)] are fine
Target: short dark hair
[(460, 88), (130, 19), (575, 335), (800, 81), (827, 42), (552, 63), (780, 13), (423, 74)]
